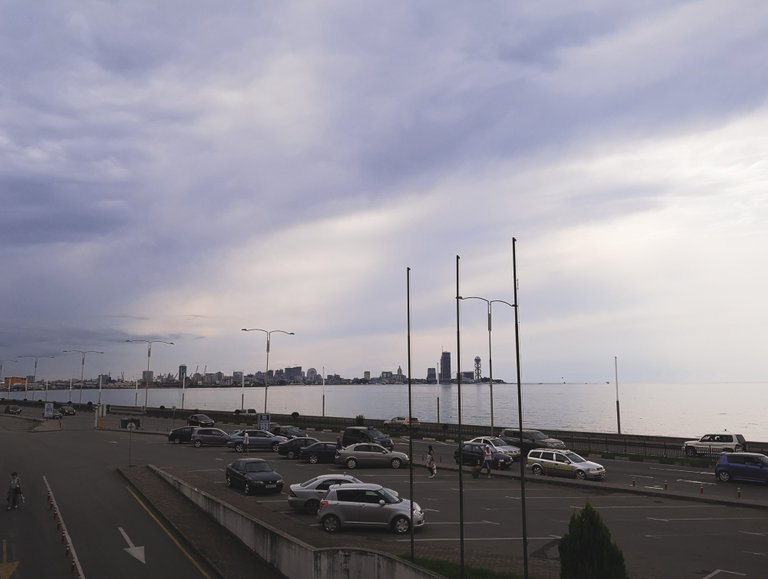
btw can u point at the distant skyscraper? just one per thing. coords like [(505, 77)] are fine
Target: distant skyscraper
[(367, 375), (182, 373), (445, 368), (478, 371), (431, 376)]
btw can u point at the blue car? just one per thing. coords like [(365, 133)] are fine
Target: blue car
[(745, 466)]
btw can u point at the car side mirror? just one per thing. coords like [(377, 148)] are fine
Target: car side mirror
[(382, 502)]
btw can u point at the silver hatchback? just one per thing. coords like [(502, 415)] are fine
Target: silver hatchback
[(563, 463), (367, 505), (369, 454)]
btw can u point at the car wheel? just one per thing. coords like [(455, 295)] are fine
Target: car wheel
[(690, 451), (198, 443), (330, 523), (724, 476), (396, 462), (581, 475), (312, 506), (291, 455), (537, 470), (351, 463), (274, 446), (247, 488), (177, 440), (313, 459), (238, 447), (401, 525), (228, 481)]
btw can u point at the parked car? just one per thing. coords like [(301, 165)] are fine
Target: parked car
[(257, 440), (498, 445), (319, 452), (367, 505), (13, 409), (710, 444), (306, 496), (181, 434), (287, 430), (563, 463), (531, 439), (401, 423), (200, 420), (253, 475), (746, 466), (365, 454), (67, 410), (355, 434), (53, 414), (473, 453), (292, 447), (209, 437)]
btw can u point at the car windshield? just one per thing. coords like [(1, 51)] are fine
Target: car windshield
[(309, 482), (575, 457), (391, 496), (257, 467), (497, 442), (763, 459), (536, 435), (376, 433)]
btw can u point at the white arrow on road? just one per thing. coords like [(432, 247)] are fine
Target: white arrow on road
[(132, 549)]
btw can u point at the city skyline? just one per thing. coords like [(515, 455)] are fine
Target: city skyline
[(287, 168)]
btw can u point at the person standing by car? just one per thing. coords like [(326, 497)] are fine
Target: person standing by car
[(14, 491), (431, 464), (246, 442), (487, 459)]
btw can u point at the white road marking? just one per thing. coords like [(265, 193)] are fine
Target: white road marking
[(753, 533), (718, 571), (702, 473), (655, 507), (696, 482), (708, 519), (132, 550), (755, 553), (456, 539)]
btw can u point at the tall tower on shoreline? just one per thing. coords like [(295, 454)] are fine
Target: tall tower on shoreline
[(478, 371), (445, 368)]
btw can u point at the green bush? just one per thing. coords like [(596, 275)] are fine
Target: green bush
[(587, 550)]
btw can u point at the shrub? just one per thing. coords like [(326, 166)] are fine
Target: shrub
[(360, 420), (587, 550)]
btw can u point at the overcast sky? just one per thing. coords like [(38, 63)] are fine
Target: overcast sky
[(180, 170)]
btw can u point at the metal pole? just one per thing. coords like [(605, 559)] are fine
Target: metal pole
[(490, 363), (82, 376), (410, 406), (146, 381), (520, 413), (460, 433), (266, 376), (618, 411), (323, 377)]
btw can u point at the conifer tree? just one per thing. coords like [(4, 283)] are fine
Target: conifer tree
[(587, 550)]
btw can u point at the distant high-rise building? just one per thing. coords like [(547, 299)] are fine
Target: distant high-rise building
[(237, 377), (294, 373), (478, 371), (183, 373), (431, 376), (367, 375), (445, 368)]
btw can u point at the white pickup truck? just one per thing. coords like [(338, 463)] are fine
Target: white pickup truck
[(710, 444)]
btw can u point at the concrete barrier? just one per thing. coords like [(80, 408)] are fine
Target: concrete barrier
[(290, 556)]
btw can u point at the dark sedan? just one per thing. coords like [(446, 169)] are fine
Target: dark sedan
[(473, 453), (291, 448), (257, 440), (319, 452), (181, 434), (253, 475), (200, 420), (13, 409), (287, 430)]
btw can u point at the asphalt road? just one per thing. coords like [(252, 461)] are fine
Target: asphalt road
[(661, 536)]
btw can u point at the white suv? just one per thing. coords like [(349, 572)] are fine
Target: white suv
[(715, 444)]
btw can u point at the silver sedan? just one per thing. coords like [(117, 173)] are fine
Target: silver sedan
[(369, 454), (306, 496)]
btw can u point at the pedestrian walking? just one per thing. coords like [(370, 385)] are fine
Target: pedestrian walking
[(246, 442), (487, 459), (338, 444), (14, 492), (431, 464)]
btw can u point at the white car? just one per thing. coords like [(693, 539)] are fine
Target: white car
[(555, 462), (715, 444), (497, 444)]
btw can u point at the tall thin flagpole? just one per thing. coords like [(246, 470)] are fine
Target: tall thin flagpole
[(410, 402), (618, 411), (520, 412), (461, 437)]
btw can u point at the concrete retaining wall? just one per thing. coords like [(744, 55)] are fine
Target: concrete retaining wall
[(293, 557)]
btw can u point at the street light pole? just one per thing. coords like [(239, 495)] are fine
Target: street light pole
[(82, 368), (266, 374), (489, 303), (149, 357), (34, 375), (1, 375)]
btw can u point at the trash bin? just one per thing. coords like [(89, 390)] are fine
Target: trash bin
[(124, 422)]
